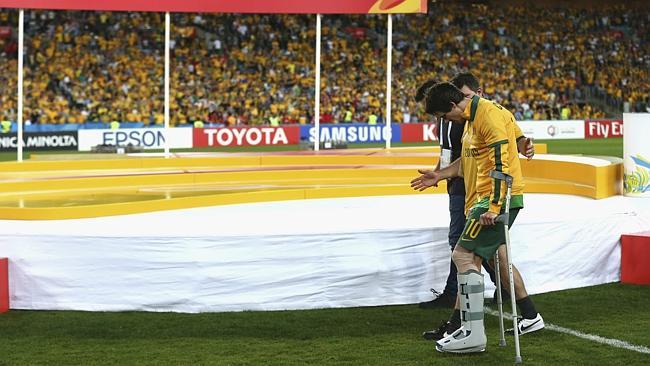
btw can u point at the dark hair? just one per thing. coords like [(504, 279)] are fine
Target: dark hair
[(467, 79), (421, 93), (440, 97)]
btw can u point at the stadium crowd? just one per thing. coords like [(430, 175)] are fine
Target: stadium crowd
[(541, 63)]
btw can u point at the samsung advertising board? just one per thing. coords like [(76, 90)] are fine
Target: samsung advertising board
[(353, 133)]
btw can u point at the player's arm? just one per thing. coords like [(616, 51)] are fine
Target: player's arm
[(427, 177), (437, 167), (494, 132), (453, 170), (430, 178), (524, 144)]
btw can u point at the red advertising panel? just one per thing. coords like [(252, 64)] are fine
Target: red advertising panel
[(230, 6), (246, 136), (419, 132), (4, 285), (603, 129), (635, 254)]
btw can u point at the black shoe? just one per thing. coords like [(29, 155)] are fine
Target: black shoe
[(442, 300), (445, 329)]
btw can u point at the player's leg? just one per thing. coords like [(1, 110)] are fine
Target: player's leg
[(446, 327), (490, 269), (481, 241), (453, 323), (520, 288), (456, 225), (470, 337), (531, 319)]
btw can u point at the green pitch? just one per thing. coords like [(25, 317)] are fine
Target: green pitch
[(387, 335), (595, 147)]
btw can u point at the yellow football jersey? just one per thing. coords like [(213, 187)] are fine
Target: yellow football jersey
[(490, 143), (468, 163)]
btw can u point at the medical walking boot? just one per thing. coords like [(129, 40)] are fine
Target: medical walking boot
[(470, 337)]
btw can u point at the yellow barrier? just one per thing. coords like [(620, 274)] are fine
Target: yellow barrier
[(75, 189)]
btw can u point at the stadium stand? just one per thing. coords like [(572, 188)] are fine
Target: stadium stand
[(540, 62)]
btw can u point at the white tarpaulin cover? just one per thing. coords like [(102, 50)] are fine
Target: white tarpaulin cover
[(298, 254)]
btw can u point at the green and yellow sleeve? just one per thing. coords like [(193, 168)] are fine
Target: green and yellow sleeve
[(495, 134)]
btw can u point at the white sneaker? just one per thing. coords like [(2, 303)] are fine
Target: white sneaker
[(529, 325)]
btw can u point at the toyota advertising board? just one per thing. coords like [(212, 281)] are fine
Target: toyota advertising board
[(246, 136)]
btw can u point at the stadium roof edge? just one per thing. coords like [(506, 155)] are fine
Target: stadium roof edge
[(215, 6)]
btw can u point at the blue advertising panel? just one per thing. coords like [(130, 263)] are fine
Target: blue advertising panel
[(351, 133)]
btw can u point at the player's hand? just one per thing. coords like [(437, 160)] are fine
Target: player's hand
[(429, 173), (428, 178), (526, 147), (488, 218)]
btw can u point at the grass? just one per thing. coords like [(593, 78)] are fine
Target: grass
[(388, 335), (596, 147)]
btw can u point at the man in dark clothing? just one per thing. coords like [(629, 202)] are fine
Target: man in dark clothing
[(449, 136), (469, 85)]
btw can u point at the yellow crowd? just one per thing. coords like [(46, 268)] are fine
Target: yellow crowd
[(541, 63)]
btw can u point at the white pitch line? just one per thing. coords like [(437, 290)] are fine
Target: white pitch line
[(590, 337)]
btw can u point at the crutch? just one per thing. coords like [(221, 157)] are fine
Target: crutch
[(505, 218), (502, 340)]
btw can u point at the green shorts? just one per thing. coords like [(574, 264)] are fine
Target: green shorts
[(484, 240)]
